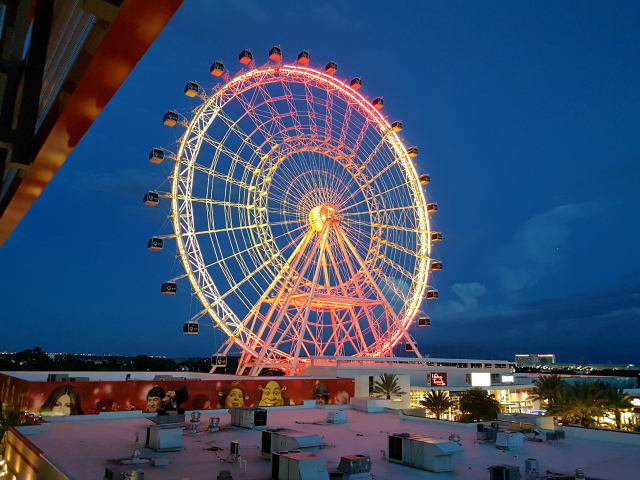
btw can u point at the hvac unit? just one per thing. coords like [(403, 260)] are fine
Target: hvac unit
[(504, 472), (509, 441), (422, 452), (285, 439), (164, 439), (531, 467), (337, 416), (296, 465), (485, 434), (58, 377), (355, 467), (249, 417)]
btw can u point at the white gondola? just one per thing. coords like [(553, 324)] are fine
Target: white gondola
[(155, 244), (151, 199), (412, 151), (304, 57), (245, 56), (218, 360), (217, 69), (170, 118), (191, 89), (169, 288), (331, 68), (275, 54), (356, 83), (432, 207), (190, 328), (378, 103), (436, 236), (424, 322), (396, 126), (424, 179), (156, 155), (436, 266), (432, 294)]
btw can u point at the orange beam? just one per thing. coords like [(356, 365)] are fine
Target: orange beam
[(134, 30)]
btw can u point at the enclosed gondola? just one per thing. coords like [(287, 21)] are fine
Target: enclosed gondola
[(169, 288), (331, 68), (424, 179), (396, 126), (378, 103), (245, 56), (432, 294), (191, 89), (432, 207), (356, 83), (408, 347), (155, 244), (436, 236), (190, 328), (275, 54), (156, 155), (412, 151), (217, 69), (436, 266), (304, 57), (170, 118), (218, 360), (151, 199), (424, 322)]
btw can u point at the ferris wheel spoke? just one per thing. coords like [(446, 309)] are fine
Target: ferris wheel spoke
[(308, 94), (292, 108), (233, 127)]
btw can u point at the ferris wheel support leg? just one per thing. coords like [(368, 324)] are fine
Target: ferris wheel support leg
[(342, 237), (325, 235), (267, 344)]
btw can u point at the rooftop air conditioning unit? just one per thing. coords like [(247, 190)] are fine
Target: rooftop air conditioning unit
[(504, 472), (422, 452), (249, 417), (284, 439), (509, 441), (355, 467), (337, 416), (296, 465), (164, 439)]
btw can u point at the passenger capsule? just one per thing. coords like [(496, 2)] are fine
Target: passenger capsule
[(169, 288), (436, 236), (155, 244), (304, 57), (191, 89), (190, 328), (356, 83), (424, 179), (396, 126), (217, 69), (156, 155), (412, 151), (378, 103), (331, 68), (245, 57), (170, 118), (436, 266), (218, 360), (275, 54), (424, 322), (432, 294), (432, 207), (408, 347), (151, 198)]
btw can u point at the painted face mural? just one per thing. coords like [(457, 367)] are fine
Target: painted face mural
[(233, 395), (271, 394), (62, 402)]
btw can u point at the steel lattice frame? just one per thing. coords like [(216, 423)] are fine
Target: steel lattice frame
[(318, 227)]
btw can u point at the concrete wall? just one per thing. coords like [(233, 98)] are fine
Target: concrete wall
[(602, 435)]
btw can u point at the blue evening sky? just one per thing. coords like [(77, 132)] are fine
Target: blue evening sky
[(527, 116)]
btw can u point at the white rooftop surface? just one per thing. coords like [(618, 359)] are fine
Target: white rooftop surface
[(82, 449)]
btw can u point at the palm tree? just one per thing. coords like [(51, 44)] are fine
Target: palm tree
[(580, 403), (477, 404), (387, 386), (438, 402), (548, 389), (615, 401)]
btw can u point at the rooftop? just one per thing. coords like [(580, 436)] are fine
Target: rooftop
[(82, 448)]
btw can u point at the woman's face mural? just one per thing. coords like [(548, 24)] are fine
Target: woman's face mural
[(62, 407), (271, 395), (234, 399)]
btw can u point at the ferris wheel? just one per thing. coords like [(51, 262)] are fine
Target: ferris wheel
[(298, 215)]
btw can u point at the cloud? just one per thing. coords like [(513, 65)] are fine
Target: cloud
[(468, 294), (538, 246)]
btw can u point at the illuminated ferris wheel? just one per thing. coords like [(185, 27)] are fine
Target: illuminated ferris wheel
[(298, 215)]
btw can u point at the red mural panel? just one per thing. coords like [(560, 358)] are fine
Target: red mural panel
[(83, 398)]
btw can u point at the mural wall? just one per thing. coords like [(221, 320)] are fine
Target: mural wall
[(83, 398)]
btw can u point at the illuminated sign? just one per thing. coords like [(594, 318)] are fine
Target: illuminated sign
[(438, 379), (507, 378), (481, 379)]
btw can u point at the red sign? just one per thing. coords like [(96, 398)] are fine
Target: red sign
[(438, 379)]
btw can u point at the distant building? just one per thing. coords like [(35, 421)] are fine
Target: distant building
[(535, 359)]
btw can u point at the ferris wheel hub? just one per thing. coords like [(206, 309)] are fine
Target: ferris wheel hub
[(321, 214)]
